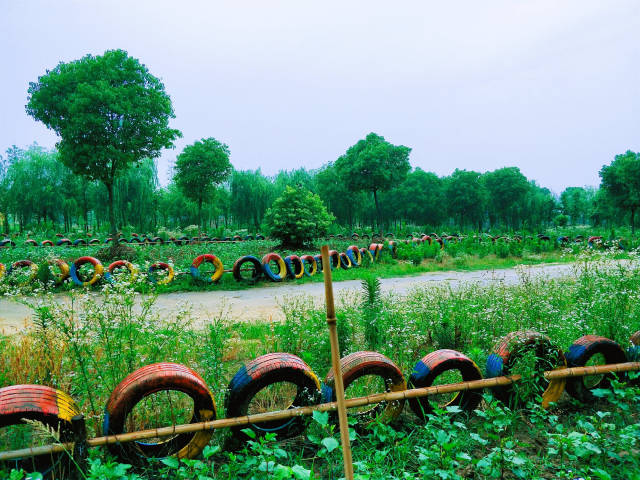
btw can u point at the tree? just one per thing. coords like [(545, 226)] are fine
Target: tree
[(466, 197), (576, 203), (200, 168), (297, 216), (110, 113), (373, 165), (507, 189), (621, 182)]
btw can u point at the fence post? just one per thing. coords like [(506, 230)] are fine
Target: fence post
[(80, 446)]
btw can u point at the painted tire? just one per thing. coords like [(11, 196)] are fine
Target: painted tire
[(79, 241), (366, 255), (266, 268), (7, 243), (635, 338), (161, 266), (345, 262), (506, 352), (318, 259), (184, 240), (360, 364), (389, 235), (353, 252), (133, 271), (295, 268), (334, 259), (146, 381), (24, 263), (48, 406), (63, 242), (94, 241), (393, 248), (431, 367), (259, 237), (355, 236), (64, 270), (157, 240), (98, 269), (135, 240), (633, 353), (309, 265), (31, 242), (267, 370), (46, 243), (207, 258), (3, 269), (579, 354), (255, 263), (426, 238)]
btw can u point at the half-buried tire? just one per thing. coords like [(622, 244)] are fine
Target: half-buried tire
[(437, 364), (151, 379), (267, 371)]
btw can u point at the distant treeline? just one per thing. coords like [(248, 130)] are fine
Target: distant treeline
[(38, 192)]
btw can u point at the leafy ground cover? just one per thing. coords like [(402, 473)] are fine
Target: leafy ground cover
[(86, 349)]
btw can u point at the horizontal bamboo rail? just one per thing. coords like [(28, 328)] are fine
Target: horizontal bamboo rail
[(324, 407)]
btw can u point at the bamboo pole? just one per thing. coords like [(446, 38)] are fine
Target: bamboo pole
[(324, 407), (335, 362)]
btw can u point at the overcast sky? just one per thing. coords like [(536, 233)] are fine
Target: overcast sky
[(552, 87)]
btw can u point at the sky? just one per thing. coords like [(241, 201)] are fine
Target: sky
[(549, 86)]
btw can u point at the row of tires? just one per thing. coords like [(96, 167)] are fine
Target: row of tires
[(246, 269), (135, 239), (55, 408)]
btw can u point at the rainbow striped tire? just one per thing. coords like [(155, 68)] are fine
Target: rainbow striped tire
[(579, 354), (21, 264), (435, 364), (63, 269), (48, 406), (161, 266), (366, 256), (345, 262), (393, 248), (334, 259), (309, 264), (266, 267), (207, 258), (512, 348), (295, 268), (355, 256), (263, 372), (360, 364), (118, 264), (256, 270), (151, 379), (318, 259), (98, 269)]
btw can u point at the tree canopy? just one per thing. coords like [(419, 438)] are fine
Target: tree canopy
[(200, 168), (373, 165), (621, 181), (109, 111)]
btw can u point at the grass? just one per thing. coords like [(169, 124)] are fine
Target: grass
[(86, 348)]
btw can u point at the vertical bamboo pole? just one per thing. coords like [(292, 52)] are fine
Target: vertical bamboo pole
[(335, 362)]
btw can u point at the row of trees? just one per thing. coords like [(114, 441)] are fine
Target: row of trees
[(37, 190), (112, 117)]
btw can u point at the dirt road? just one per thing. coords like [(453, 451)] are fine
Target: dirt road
[(263, 303)]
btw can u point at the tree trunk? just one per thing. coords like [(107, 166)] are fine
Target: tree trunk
[(112, 217), (379, 215), (199, 212)]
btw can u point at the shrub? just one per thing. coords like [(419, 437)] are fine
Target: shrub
[(297, 217)]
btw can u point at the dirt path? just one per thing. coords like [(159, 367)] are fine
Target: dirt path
[(263, 303)]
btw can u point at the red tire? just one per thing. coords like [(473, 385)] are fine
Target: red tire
[(144, 382), (46, 405), (580, 352), (360, 364), (268, 370), (334, 259), (433, 365), (507, 352)]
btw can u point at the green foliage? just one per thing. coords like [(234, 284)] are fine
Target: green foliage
[(466, 196), (200, 168), (297, 217), (621, 181), (109, 112), (561, 220), (506, 192)]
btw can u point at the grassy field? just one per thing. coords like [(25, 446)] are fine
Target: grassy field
[(468, 254), (86, 349)]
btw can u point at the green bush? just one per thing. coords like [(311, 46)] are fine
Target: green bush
[(297, 217)]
